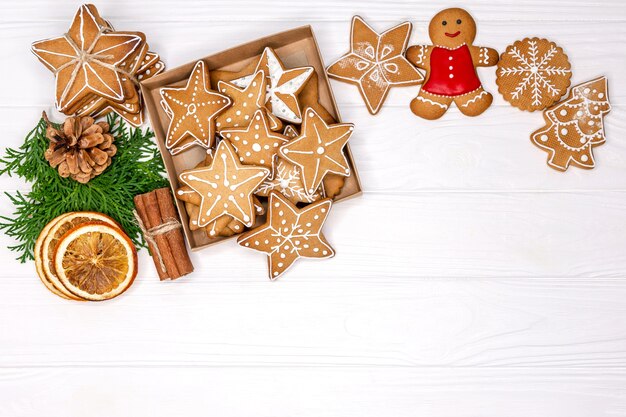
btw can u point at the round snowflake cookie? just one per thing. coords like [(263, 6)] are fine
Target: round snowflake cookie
[(533, 74)]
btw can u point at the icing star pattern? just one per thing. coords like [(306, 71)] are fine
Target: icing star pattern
[(376, 62), (87, 59), (290, 233), (193, 109), (256, 144), (319, 149), (245, 102), (283, 86), (225, 187)]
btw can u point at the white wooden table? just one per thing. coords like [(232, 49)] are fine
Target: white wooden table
[(470, 279)]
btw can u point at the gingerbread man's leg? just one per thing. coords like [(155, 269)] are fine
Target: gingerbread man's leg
[(430, 106), (474, 103)]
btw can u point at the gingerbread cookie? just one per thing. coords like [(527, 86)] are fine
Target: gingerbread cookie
[(287, 180), (283, 85), (193, 109), (244, 103), (256, 144), (376, 62), (450, 65), (575, 126), (89, 59), (225, 187), (290, 234), (533, 74), (318, 150)]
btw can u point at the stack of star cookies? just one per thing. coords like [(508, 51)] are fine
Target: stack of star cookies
[(272, 150), (97, 68)]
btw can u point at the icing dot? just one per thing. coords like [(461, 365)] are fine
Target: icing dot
[(579, 113), (586, 91), (563, 131), (601, 95), (320, 150), (451, 75), (256, 147), (282, 255), (563, 112), (316, 250), (280, 264), (325, 252), (591, 123), (584, 158)]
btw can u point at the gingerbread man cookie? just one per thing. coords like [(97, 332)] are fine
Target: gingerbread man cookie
[(450, 65), (376, 62), (290, 233)]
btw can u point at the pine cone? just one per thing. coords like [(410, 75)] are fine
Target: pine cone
[(81, 149)]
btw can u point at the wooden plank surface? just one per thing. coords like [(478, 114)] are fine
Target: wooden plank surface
[(470, 279)]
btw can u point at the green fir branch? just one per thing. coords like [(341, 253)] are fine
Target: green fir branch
[(137, 168)]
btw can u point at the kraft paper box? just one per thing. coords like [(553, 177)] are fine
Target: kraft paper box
[(296, 47)]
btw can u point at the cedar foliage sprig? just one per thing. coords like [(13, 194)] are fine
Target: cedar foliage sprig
[(137, 168)]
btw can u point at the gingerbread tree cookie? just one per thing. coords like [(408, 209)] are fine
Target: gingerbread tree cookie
[(290, 234), (225, 187), (450, 65), (193, 109), (533, 74), (319, 149), (376, 62), (575, 126), (283, 86)]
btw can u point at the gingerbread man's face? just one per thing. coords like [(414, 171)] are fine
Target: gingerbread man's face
[(452, 28)]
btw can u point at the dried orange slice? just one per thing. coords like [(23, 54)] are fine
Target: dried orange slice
[(96, 261), (39, 258), (64, 223)]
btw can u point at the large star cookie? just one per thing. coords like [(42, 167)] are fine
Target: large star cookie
[(88, 58), (256, 144), (225, 187), (290, 233), (319, 149), (283, 85), (245, 102), (193, 109), (376, 62)]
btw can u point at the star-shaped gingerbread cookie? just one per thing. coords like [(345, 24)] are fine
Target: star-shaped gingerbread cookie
[(376, 62), (319, 149), (283, 87), (87, 59), (245, 102), (287, 180), (225, 187), (290, 233), (193, 109), (256, 144)]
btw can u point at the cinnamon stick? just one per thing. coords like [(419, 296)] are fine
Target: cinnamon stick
[(154, 218), (162, 230), (141, 211), (174, 237)]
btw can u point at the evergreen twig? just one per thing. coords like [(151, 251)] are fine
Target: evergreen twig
[(136, 169)]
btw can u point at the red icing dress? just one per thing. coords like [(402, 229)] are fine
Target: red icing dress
[(452, 72)]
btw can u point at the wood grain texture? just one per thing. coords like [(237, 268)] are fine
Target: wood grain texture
[(470, 279)]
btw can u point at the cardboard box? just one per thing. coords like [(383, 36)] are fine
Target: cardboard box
[(296, 48)]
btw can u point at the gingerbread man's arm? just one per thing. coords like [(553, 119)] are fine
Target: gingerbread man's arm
[(483, 56), (419, 55)]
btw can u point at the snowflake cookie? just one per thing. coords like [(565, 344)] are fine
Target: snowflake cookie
[(575, 126), (533, 74), (290, 233)]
